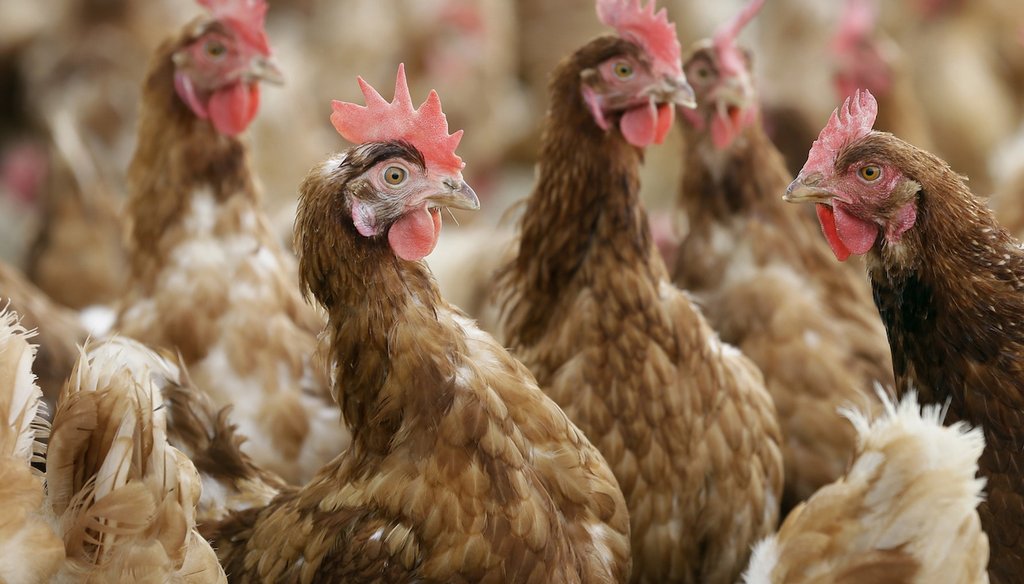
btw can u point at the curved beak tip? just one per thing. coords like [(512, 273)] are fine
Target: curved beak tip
[(798, 192), (262, 68), (457, 195)]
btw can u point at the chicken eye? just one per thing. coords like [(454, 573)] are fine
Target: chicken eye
[(870, 173), (622, 70), (395, 175), (215, 48)]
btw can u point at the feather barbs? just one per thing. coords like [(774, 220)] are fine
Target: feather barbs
[(425, 128), (651, 30), (849, 122), (724, 39), (245, 17)]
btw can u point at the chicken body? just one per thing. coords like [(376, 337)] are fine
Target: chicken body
[(683, 419), (210, 280), (460, 469), (760, 272), (904, 513)]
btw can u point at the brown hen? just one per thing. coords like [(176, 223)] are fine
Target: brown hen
[(763, 277), (683, 419), (948, 283), (460, 469)]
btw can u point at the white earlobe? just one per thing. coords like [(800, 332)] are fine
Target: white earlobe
[(364, 218)]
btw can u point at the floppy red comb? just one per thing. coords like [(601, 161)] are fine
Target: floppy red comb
[(648, 28), (729, 56), (425, 128), (850, 122), (245, 17)]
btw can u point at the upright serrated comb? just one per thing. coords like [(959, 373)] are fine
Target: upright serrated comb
[(425, 128), (246, 17), (849, 122), (651, 30), (724, 40)]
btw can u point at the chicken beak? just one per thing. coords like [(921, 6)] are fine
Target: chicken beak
[(455, 194), (674, 90), (806, 190), (263, 69), (798, 193)]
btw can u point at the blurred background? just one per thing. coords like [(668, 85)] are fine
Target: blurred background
[(70, 72)]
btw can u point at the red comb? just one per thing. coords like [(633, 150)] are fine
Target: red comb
[(425, 128), (850, 122), (246, 17), (858, 21), (648, 28), (729, 57)]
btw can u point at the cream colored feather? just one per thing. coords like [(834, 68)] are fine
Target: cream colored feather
[(29, 549), (124, 499), (905, 512)]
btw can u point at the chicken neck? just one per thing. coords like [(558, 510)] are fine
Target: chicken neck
[(177, 155), (383, 328), (746, 177)]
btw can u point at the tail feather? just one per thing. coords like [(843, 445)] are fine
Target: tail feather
[(906, 510), (30, 551), (124, 497), (20, 398)]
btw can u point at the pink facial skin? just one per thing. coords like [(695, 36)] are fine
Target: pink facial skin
[(644, 121)]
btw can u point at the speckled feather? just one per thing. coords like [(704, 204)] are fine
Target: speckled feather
[(683, 419)]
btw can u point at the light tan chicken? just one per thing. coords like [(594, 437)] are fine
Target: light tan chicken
[(122, 499), (904, 513), (208, 277), (30, 551)]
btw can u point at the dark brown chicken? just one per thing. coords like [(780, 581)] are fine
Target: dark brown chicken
[(683, 419), (949, 285), (460, 469), (762, 275)]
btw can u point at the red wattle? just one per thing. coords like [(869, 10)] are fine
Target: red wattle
[(415, 235), (640, 125), (846, 234), (233, 108), (666, 117)]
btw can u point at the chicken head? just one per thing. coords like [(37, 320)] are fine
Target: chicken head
[(862, 62), (720, 72), (638, 84), (403, 171), (220, 64), (860, 195)]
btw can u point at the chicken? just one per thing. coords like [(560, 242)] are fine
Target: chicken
[(122, 499), (866, 59), (905, 511), (77, 255), (683, 419), (208, 277), (29, 549), (947, 282), (761, 274), (460, 469), (59, 330)]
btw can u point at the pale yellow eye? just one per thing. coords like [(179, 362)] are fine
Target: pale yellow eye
[(623, 70), (870, 172), (395, 175), (214, 48)]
